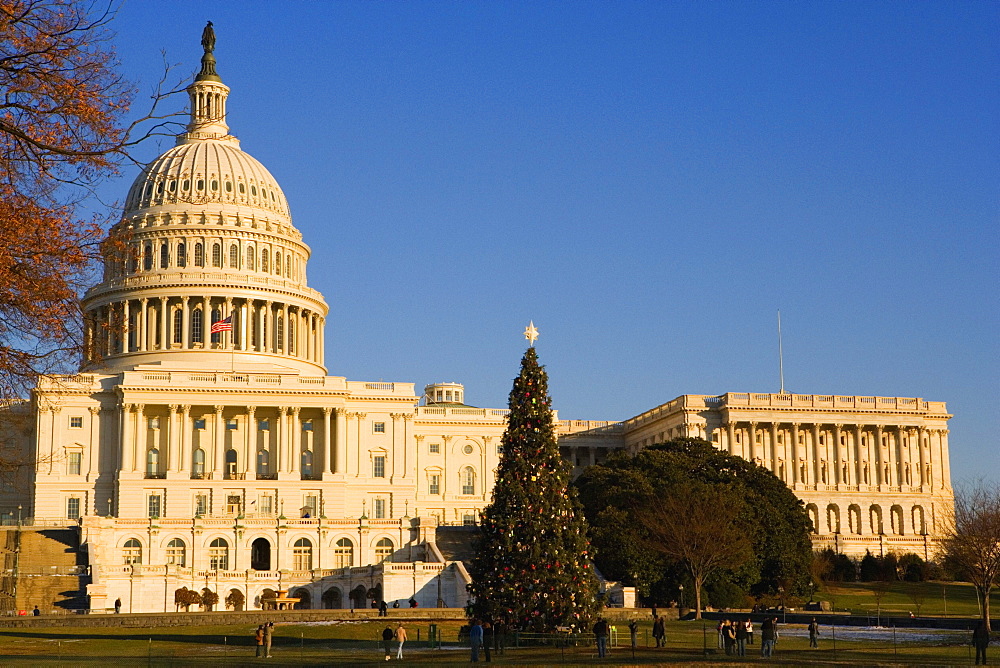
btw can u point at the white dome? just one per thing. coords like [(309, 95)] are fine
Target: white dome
[(207, 171)]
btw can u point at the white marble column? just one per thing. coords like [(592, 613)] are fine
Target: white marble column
[(341, 441), (164, 330), (126, 436), (93, 443), (296, 453), (142, 336), (328, 464), (137, 447), (837, 450), (796, 455), (172, 448), (219, 462), (185, 323), (184, 433), (282, 450)]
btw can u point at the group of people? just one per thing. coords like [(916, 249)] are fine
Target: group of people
[(388, 635), (735, 635), (262, 637), (483, 635)]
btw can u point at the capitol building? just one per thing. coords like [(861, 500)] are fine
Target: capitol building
[(203, 443)]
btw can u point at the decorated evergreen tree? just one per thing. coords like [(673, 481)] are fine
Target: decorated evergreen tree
[(532, 568)]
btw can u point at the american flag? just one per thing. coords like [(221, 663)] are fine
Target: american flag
[(223, 325)]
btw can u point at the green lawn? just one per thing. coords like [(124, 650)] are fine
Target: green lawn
[(354, 643), (901, 598)]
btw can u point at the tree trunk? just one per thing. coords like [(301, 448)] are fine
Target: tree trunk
[(697, 597), (984, 593)]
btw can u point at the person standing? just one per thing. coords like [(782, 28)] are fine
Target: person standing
[(633, 632), (487, 640), (475, 639), (383, 609), (118, 606), (258, 639), (659, 632), (749, 631), (813, 633), (387, 636), (400, 638), (981, 640), (741, 638), (268, 636), (601, 633), (767, 638), (729, 636), (499, 637)]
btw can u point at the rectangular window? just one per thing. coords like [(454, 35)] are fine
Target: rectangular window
[(435, 484), (263, 425), (380, 509), (379, 467), (310, 505), (73, 508), (76, 422), (232, 423), (378, 427), (199, 423), (73, 463), (154, 423), (499, 449), (307, 425), (153, 505), (200, 504), (266, 505), (469, 520), (434, 448)]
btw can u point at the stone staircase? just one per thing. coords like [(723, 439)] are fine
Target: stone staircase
[(51, 570), (456, 542)]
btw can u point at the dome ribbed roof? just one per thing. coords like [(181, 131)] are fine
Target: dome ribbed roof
[(207, 171)]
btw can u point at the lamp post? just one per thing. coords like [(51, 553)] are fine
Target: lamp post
[(811, 589), (681, 587), (781, 595)]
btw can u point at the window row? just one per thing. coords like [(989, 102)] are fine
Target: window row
[(168, 189), (260, 553), (164, 255), (858, 521)]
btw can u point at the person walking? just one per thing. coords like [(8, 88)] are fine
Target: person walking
[(741, 638), (659, 632), (601, 634), (387, 636), (487, 640), (268, 637), (400, 638), (981, 640), (475, 639), (633, 633), (813, 633), (258, 639)]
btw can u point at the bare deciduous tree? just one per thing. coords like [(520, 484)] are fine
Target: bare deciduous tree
[(62, 131), (696, 526), (972, 538)]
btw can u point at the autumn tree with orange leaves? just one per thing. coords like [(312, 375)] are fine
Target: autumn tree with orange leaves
[(62, 130)]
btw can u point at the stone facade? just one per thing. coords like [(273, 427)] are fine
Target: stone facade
[(203, 443)]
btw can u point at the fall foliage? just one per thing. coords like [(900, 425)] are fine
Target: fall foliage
[(62, 130)]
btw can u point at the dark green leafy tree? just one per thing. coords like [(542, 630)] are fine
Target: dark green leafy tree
[(532, 566), (617, 493)]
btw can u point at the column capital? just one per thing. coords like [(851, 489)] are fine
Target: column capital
[(327, 410), (218, 409), (419, 437), (397, 416), (295, 410), (838, 425), (173, 408), (408, 416), (251, 410), (185, 408), (94, 410), (282, 411)]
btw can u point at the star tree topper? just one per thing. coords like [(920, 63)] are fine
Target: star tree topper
[(531, 333)]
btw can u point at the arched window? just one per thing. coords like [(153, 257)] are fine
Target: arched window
[(307, 462), (279, 332), (196, 326), (277, 263), (152, 461), (147, 258), (291, 336), (343, 554), (302, 555), (875, 512), (178, 325), (919, 522), (854, 519), (468, 480), (132, 551), (251, 259), (896, 519), (176, 552), (263, 260), (133, 260), (182, 254), (383, 550), (199, 255), (198, 464), (813, 513), (218, 555), (216, 317), (231, 462), (263, 462), (234, 256), (164, 255), (833, 518), (216, 255)]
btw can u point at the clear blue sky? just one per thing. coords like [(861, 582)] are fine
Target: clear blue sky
[(649, 182)]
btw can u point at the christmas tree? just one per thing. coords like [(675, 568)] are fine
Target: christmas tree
[(532, 568)]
